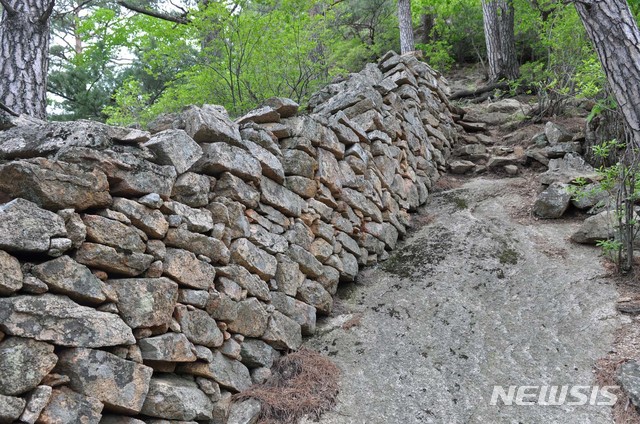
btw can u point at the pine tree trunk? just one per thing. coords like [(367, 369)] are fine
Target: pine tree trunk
[(24, 51), (615, 36), (406, 26), (498, 16)]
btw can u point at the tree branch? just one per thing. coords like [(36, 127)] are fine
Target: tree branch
[(47, 13), (180, 19), (10, 10), (2, 105)]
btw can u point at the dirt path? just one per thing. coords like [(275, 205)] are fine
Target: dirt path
[(481, 295)]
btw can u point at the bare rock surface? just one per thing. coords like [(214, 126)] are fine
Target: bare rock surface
[(474, 299)]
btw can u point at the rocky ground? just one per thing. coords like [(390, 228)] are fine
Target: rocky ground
[(486, 293), (480, 296)]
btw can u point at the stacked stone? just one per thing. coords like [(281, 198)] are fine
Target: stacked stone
[(148, 276)]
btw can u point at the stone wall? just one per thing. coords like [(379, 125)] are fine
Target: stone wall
[(147, 276)]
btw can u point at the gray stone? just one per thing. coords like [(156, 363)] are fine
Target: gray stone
[(246, 254), (329, 172), (552, 202), (269, 241), (265, 135), (256, 353), (297, 162), (596, 228), (10, 274), (285, 107), (461, 166), (359, 201), (24, 227), (23, 364), (251, 283), (312, 293), (281, 198), (350, 267), (121, 385), (66, 406), (145, 302), (176, 148), (199, 327), (252, 318), (260, 375), (271, 165), (288, 275), (199, 244), (55, 185), (567, 169), (385, 232), (561, 149), (300, 312), (197, 220), (231, 348), (235, 188), (50, 317), (197, 298), (28, 137), (222, 307), (184, 267), (151, 221), (169, 347), (109, 259), (222, 157), (261, 115), (245, 412), (308, 263), (76, 230), (556, 133), (152, 200), (36, 401), (303, 187), (321, 249), (112, 233), (210, 124), (11, 408), (192, 189), (283, 332), (176, 398), (628, 375), (229, 373), (34, 285), (119, 419), (129, 175)]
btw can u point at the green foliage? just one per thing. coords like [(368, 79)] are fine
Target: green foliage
[(620, 183), (130, 105), (437, 54)]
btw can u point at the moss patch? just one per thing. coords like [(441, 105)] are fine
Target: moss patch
[(425, 252), (508, 256)]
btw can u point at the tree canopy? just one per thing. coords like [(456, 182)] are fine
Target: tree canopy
[(126, 61)]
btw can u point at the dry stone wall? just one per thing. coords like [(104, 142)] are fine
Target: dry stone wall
[(148, 276)]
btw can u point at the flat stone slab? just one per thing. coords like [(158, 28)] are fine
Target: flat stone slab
[(61, 321), (472, 300)]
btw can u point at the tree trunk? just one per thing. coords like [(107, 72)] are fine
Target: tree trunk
[(498, 16), (24, 51), (427, 23), (406, 26), (615, 36)]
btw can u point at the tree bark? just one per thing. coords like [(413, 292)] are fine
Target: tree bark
[(406, 26), (616, 38), (498, 17), (24, 50)]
